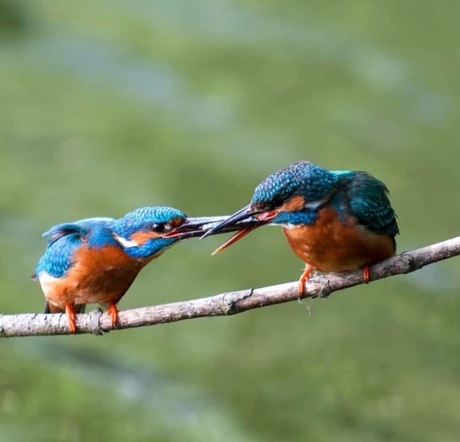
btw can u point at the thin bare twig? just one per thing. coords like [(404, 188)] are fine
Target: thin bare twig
[(224, 304)]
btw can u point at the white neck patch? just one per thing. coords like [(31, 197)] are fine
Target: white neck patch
[(125, 242)]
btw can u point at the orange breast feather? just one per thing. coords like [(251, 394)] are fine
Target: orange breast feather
[(330, 245), (96, 276)]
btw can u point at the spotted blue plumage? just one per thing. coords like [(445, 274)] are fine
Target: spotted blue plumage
[(368, 201), (355, 193), (157, 214), (302, 178), (96, 260), (82, 226), (146, 219), (64, 239)]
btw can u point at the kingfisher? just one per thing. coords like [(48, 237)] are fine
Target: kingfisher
[(334, 220), (96, 260)]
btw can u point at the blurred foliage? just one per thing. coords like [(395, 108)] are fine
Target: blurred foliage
[(13, 18), (112, 105)]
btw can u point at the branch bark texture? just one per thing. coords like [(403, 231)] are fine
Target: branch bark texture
[(224, 304)]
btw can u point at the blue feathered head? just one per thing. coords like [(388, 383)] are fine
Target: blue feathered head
[(303, 179), (142, 232)]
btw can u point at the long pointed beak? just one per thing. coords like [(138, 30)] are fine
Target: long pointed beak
[(199, 226), (240, 218), (193, 227), (243, 214)]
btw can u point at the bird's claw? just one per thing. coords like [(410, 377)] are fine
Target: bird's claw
[(302, 281), (112, 311), (71, 318), (366, 274)]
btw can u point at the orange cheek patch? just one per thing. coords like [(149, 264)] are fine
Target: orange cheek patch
[(294, 204), (143, 236)]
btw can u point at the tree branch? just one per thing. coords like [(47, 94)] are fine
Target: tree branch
[(225, 304)]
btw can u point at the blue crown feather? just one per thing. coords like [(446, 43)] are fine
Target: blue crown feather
[(302, 178), (145, 219)]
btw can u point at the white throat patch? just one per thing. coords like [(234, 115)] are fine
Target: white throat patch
[(125, 242)]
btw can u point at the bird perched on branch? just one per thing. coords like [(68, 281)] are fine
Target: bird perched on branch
[(96, 260), (334, 220)]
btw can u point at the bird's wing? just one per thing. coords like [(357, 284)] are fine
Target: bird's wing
[(369, 203), (80, 227), (63, 240)]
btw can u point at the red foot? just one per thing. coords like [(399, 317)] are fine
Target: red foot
[(113, 313), (366, 274), (70, 313), (303, 280)]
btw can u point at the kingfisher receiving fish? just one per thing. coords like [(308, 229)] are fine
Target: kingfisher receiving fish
[(96, 260), (334, 220)]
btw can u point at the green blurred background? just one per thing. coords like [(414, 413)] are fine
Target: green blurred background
[(110, 105)]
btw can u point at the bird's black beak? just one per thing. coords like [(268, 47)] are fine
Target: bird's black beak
[(243, 214), (200, 226), (243, 221), (194, 227)]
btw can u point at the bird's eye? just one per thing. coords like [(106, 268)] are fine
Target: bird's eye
[(263, 207), (158, 227)]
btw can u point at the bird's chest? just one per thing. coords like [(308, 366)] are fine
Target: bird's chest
[(333, 245), (97, 275)]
